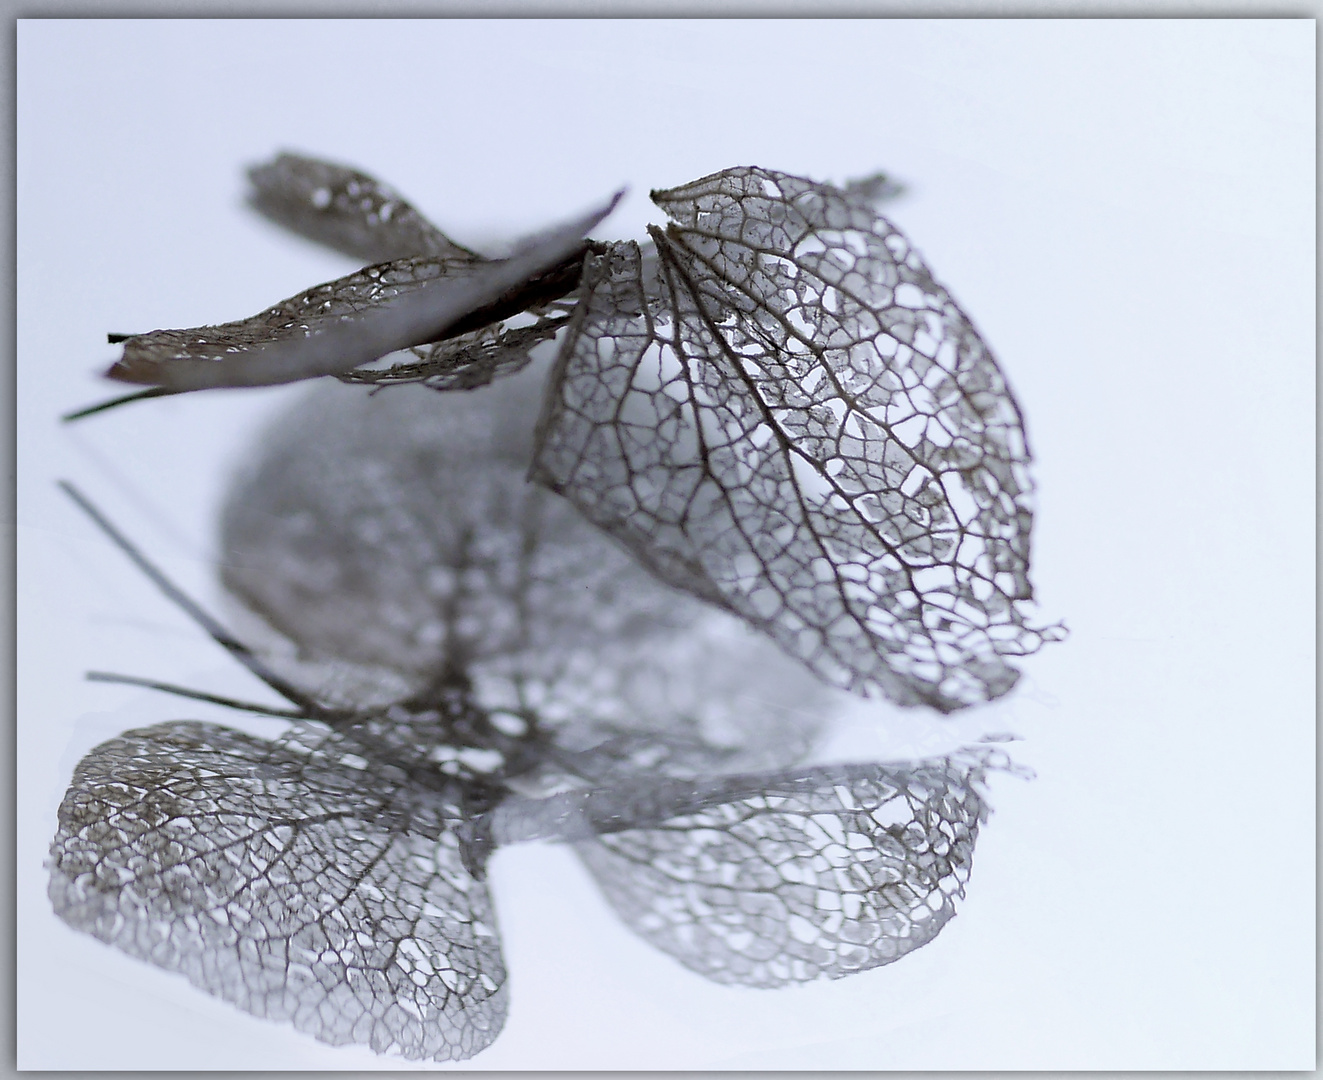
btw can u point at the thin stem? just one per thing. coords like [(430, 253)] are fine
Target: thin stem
[(137, 395), (196, 695), (217, 632)]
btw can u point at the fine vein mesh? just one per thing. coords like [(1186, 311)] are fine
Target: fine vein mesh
[(470, 360), (357, 214), (357, 319), (298, 879), (393, 538), (819, 875), (792, 419), (345, 209), (363, 317), (311, 311)]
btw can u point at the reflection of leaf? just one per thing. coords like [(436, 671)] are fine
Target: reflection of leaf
[(817, 874), (295, 879), (795, 421), (313, 880), (499, 671), (781, 877)]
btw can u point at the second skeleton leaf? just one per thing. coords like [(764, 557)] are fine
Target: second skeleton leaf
[(772, 404), (475, 665)]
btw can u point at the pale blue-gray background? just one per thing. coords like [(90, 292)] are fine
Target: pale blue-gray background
[(1127, 211)]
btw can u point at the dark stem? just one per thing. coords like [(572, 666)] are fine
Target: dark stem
[(195, 695), (137, 395), (311, 709)]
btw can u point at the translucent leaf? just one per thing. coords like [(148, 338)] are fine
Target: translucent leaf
[(301, 880), (338, 326), (793, 420), (779, 878), (470, 360), (394, 540), (347, 210)]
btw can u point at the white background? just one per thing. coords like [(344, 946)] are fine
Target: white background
[(1127, 211)]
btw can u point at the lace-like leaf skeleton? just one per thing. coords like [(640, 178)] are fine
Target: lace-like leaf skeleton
[(470, 664), (773, 404)]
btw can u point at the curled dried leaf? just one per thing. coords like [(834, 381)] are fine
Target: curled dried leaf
[(360, 318)]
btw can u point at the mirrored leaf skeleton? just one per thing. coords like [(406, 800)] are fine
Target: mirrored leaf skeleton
[(773, 404), (471, 663)]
